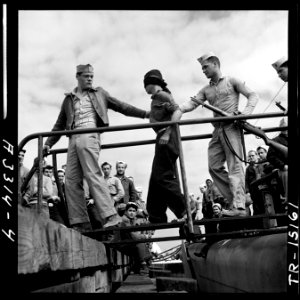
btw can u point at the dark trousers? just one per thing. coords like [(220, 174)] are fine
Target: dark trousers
[(164, 187)]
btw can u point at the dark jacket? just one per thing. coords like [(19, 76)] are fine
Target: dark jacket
[(101, 101), (129, 189), (275, 157), (250, 176)]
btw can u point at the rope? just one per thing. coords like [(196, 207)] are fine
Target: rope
[(272, 101), (233, 151)]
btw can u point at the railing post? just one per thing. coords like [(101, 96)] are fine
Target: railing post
[(59, 188), (184, 184), (40, 174)]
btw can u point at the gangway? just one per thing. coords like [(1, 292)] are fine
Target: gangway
[(186, 229)]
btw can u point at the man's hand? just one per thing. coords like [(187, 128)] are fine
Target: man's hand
[(90, 202), (46, 150), (198, 215)]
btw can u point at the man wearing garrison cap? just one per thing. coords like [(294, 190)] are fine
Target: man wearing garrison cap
[(223, 92), (281, 67), (86, 107)]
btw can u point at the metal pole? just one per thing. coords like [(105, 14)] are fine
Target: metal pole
[(183, 176), (59, 188), (40, 174)]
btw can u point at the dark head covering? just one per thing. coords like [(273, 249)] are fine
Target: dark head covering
[(154, 77), (48, 167), (131, 204), (84, 69)]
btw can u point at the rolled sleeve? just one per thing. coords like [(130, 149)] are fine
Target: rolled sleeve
[(193, 103)]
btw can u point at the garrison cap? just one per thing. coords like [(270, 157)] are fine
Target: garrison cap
[(61, 170), (218, 205), (277, 64), (84, 69), (138, 189), (205, 56)]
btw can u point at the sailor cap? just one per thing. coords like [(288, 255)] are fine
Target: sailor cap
[(277, 64), (205, 56)]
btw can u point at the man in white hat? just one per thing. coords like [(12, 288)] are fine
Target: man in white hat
[(223, 92), (86, 107), (281, 67)]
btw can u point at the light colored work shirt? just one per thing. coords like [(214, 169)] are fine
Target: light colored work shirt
[(85, 114), (31, 194), (115, 187), (224, 95)]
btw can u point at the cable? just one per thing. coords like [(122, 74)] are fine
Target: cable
[(271, 101)]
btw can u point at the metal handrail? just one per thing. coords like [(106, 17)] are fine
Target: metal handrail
[(134, 127), (148, 125)]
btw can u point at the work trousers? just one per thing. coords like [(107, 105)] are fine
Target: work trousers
[(82, 161), (164, 187), (231, 184)]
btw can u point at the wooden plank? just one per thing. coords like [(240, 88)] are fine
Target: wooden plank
[(137, 284), (47, 245), (102, 283), (85, 284)]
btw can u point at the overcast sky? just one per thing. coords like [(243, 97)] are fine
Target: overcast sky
[(122, 46)]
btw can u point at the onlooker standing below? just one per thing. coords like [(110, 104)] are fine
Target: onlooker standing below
[(223, 92), (138, 251), (23, 170), (262, 159), (251, 173), (278, 160), (193, 205), (142, 210), (164, 188), (30, 197), (206, 202), (128, 185), (114, 184), (86, 107), (59, 212), (213, 193)]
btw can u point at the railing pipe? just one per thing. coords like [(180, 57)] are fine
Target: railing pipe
[(184, 181), (149, 142), (40, 174), (148, 125)]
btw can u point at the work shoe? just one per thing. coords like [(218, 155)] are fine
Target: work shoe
[(82, 227), (234, 212), (112, 220), (182, 219)]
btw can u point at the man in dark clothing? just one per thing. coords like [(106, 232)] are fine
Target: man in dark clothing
[(128, 185), (278, 160)]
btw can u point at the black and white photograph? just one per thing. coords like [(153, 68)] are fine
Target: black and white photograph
[(146, 151)]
